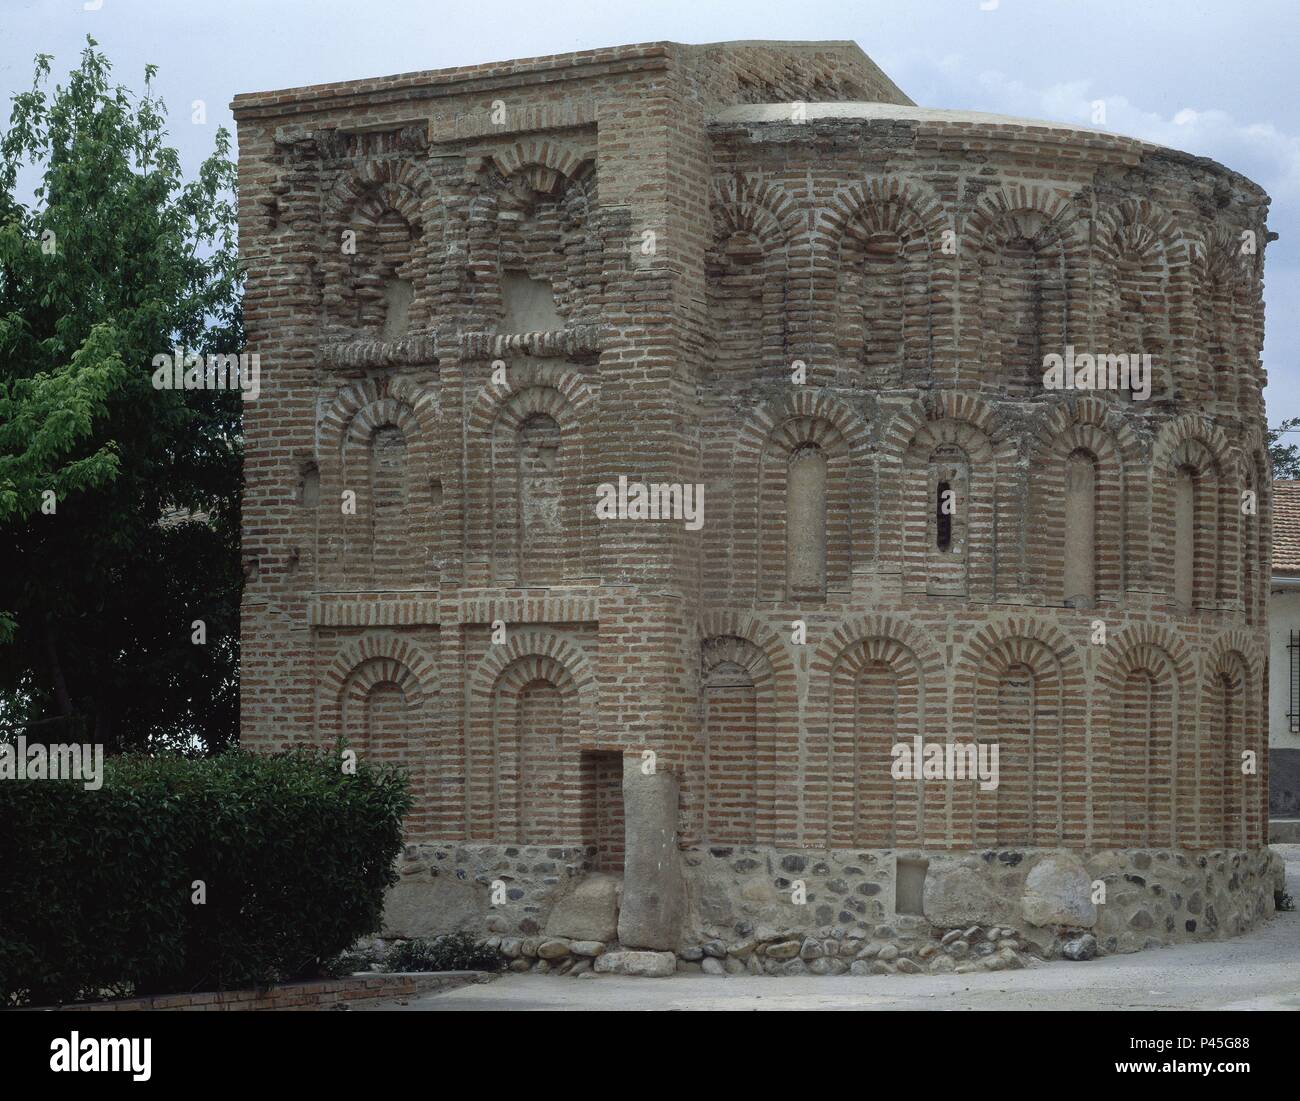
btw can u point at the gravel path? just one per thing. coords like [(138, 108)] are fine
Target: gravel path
[(1258, 971)]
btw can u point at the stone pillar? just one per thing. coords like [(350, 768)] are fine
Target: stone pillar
[(653, 902)]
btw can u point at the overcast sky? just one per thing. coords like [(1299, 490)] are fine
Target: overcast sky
[(1216, 79)]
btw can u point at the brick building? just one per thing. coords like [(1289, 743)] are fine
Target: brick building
[(483, 296)]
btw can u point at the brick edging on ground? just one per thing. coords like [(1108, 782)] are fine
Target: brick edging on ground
[(302, 995)]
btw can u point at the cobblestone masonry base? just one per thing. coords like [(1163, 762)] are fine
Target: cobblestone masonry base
[(746, 896)]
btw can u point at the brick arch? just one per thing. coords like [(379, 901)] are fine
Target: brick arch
[(734, 650), (360, 198), (746, 286), (496, 688), (751, 204), (534, 212), (888, 200), (383, 412), (350, 400), (494, 506), (348, 554), (1147, 770), (1233, 806), (349, 687), (1190, 426), (1044, 784), (778, 787), (1215, 253), (529, 183), (495, 402), (1228, 316), (933, 415), (545, 159), (1075, 409), (767, 443), (358, 694), (535, 769), (1125, 647), (1165, 287), (996, 203), (1097, 428), (1194, 441), (528, 401), (894, 310), (379, 671), (1019, 628), (1133, 219), (359, 666), (555, 654), (385, 656), (729, 797), (1246, 644), (399, 185), (945, 426), (724, 623), (802, 404), (843, 805), (1055, 224), (892, 628)]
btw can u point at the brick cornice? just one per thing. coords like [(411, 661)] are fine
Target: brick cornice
[(441, 83)]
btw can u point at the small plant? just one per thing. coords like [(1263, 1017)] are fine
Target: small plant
[(345, 964), (1283, 901), (450, 952)]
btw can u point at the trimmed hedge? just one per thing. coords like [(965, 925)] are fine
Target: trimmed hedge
[(96, 886)]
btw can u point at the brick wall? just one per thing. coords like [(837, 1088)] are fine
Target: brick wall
[(426, 572)]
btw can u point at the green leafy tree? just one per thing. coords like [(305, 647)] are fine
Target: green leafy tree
[(1285, 457), (111, 259)]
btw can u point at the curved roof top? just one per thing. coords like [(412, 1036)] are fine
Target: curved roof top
[(780, 112)]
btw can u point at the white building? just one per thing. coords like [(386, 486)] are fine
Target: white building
[(1284, 666)]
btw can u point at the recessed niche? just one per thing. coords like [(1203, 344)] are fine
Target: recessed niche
[(309, 486), (398, 296), (528, 305), (909, 886)]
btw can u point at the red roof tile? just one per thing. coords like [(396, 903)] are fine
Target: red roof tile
[(1286, 526)]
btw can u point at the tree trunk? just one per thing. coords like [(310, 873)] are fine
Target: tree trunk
[(56, 672)]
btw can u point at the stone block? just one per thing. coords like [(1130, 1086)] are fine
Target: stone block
[(653, 896), (420, 906), (1058, 891), (589, 911), (650, 965)]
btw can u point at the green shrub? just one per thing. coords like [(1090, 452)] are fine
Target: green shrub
[(96, 886), (1283, 901), (450, 952), (345, 964)]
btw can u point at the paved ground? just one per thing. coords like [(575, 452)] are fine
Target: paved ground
[(1258, 971)]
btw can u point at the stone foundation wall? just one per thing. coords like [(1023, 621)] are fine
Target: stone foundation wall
[(765, 910), (448, 888), (1152, 896)]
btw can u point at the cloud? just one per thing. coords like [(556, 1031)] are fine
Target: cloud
[(1259, 150)]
